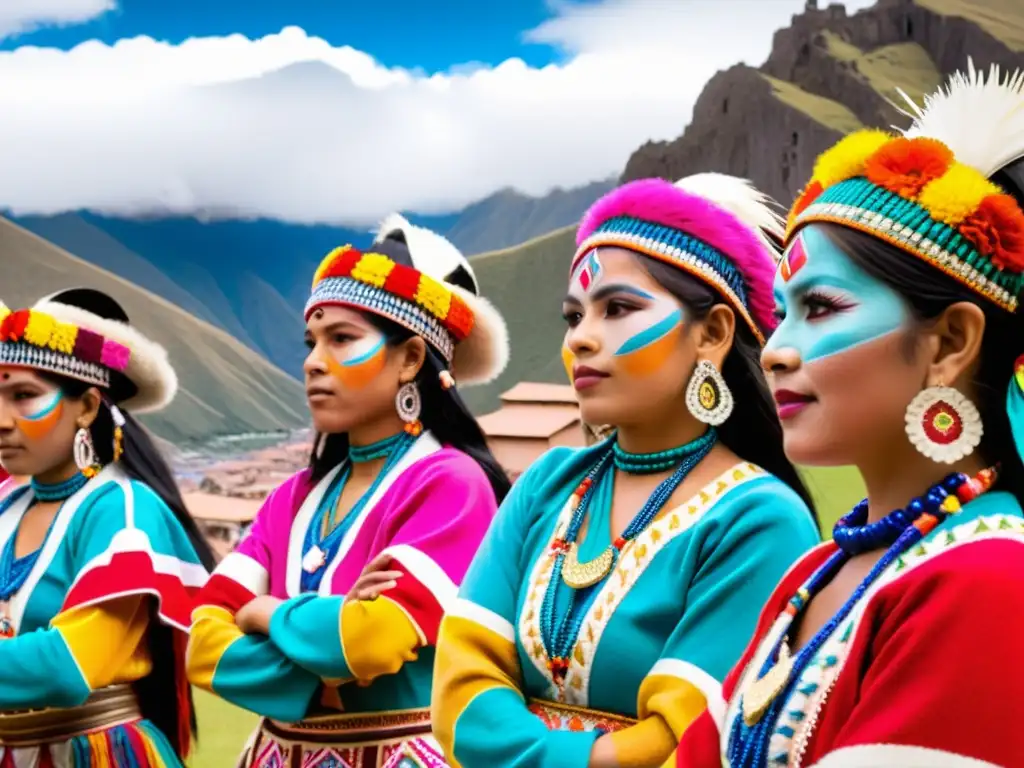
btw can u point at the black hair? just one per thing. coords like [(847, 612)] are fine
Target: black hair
[(443, 412), (142, 461), (929, 292), (752, 431)]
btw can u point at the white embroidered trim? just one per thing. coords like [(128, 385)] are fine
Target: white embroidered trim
[(897, 756)]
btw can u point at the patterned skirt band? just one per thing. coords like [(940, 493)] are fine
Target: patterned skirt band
[(565, 717), (104, 709), (356, 740)]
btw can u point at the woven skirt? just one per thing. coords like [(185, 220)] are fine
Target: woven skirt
[(380, 740)]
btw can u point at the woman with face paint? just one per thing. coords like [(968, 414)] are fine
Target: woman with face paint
[(897, 644), (324, 619), (620, 582), (99, 559)]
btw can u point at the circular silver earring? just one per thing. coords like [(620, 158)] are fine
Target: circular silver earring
[(708, 397), (408, 404), (85, 453)]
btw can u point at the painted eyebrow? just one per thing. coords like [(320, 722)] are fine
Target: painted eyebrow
[(607, 290)]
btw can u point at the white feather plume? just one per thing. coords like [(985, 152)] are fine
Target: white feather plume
[(431, 253), (743, 200), (980, 119)]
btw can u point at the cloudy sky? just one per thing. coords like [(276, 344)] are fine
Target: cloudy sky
[(341, 110)]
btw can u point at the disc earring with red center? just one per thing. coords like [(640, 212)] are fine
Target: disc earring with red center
[(943, 424)]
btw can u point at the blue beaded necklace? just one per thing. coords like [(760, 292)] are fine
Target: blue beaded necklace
[(325, 532), (14, 571), (563, 611), (751, 732)]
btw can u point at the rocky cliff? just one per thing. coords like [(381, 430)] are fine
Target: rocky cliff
[(830, 73)]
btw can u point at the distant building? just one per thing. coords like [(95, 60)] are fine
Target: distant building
[(221, 519), (533, 418)]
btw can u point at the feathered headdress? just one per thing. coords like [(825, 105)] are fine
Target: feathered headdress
[(418, 279), (929, 191), (717, 228)]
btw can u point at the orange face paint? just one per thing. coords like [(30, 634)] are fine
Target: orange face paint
[(39, 415), (646, 352), (361, 362), (569, 360)]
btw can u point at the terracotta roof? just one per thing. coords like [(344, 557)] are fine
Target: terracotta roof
[(537, 421), (209, 506), (533, 392)]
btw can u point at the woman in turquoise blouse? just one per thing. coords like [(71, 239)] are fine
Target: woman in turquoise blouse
[(619, 583)]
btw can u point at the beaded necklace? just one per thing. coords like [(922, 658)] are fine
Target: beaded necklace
[(14, 571), (751, 733), (325, 531), (560, 628)]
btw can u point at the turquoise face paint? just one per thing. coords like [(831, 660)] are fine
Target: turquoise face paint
[(40, 407), (362, 358), (651, 334), (829, 304)]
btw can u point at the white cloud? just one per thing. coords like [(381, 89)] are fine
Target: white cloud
[(289, 127), (17, 16)]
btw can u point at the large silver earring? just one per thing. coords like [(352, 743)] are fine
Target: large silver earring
[(708, 397), (943, 424), (85, 453), (408, 404)]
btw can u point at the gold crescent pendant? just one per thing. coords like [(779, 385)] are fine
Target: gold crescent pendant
[(582, 575), (762, 693)]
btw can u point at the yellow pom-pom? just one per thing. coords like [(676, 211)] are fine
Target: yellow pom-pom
[(433, 297), (62, 338), (846, 159), (39, 329), (956, 194), (4, 311), (373, 268)]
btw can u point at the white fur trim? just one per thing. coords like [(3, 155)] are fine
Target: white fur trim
[(897, 756), (148, 369), (482, 356)]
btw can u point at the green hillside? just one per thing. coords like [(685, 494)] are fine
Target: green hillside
[(226, 387)]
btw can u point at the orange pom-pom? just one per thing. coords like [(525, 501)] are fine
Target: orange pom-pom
[(904, 166), (997, 229), (809, 195)]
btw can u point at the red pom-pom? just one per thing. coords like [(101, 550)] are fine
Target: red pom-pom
[(14, 325), (904, 166), (460, 319), (403, 281), (342, 264), (804, 199), (997, 229)]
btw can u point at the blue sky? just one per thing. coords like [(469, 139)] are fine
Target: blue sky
[(406, 33), (339, 111)]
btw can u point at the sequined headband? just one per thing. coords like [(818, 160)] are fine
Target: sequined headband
[(34, 339), (412, 299), (912, 193)]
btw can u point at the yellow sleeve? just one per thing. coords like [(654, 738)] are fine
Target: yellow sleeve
[(107, 640)]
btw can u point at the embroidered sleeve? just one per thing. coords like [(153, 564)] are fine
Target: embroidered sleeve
[(62, 665), (761, 533), (440, 527), (247, 670), (478, 711), (948, 640)]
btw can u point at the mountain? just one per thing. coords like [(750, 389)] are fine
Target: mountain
[(226, 388), (251, 277), (830, 73)]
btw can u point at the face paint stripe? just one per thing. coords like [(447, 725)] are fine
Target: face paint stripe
[(366, 357), (47, 408), (651, 335)]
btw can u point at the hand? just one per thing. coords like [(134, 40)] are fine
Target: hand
[(602, 754), (254, 616), (375, 579)]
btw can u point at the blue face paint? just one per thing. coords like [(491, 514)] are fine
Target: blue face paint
[(829, 304), (651, 334)]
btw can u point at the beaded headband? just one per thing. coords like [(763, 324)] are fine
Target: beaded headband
[(35, 339), (712, 226), (378, 284), (928, 192)]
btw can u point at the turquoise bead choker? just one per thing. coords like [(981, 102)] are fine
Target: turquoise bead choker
[(361, 454), (58, 491), (652, 463)]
